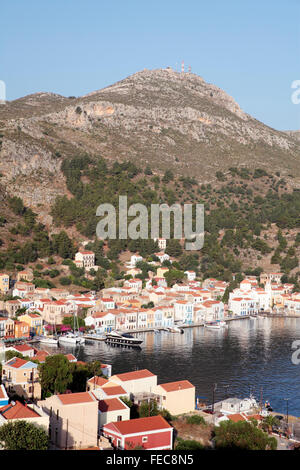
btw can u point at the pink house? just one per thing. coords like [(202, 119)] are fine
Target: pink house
[(152, 433)]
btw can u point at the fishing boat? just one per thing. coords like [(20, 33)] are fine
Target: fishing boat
[(122, 339)]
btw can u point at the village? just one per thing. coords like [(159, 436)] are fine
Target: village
[(100, 417)]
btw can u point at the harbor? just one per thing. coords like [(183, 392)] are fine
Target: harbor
[(247, 357)]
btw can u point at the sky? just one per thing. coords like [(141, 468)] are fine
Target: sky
[(249, 48)]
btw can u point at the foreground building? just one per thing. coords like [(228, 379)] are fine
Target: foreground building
[(73, 420), (152, 433), (176, 397)]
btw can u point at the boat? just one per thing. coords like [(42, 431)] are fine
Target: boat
[(48, 340), (252, 317), (222, 323), (71, 338), (175, 329), (213, 325), (122, 339)]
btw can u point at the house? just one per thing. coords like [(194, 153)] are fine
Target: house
[(22, 289), (134, 259), (184, 311), (161, 271), (112, 409), (21, 377), (110, 390), (162, 243), (25, 275), (236, 405), (21, 329), (31, 413), (242, 306), (214, 310), (162, 256), (136, 382), (73, 419), (85, 259), (191, 275), (103, 322), (24, 349), (151, 433), (34, 321), (7, 327), (135, 284), (95, 383), (107, 303), (177, 397), (3, 396), (4, 283)]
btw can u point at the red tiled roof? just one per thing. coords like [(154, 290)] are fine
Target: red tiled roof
[(22, 347), (16, 362), (114, 390), (139, 425), (175, 386), (97, 380), (111, 404), (237, 417), (135, 375), (74, 398), (17, 411)]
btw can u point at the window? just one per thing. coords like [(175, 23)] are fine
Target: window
[(145, 439), (119, 418)]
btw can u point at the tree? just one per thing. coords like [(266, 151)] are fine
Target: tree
[(174, 248), (242, 435), (21, 435), (188, 444), (148, 409), (55, 374)]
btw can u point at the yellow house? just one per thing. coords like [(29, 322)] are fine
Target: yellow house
[(4, 283), (160, 272), (176, 397), (26, 275), (34, 321)]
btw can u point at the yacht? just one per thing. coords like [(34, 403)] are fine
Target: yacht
[(122, 339), (71, 338), (48, 340)]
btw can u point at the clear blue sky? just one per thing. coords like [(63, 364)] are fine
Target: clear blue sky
[(250, 48)]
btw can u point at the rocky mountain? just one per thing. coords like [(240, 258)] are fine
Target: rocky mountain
[(159, 117)]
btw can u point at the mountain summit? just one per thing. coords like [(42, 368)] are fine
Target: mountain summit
[(162, 118)]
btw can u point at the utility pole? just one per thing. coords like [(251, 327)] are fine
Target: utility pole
[(213, 403), (287, 412)]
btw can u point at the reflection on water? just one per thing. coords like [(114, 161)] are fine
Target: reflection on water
[(247, 356)]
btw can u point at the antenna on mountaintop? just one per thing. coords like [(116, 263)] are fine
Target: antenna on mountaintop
[(182, 66)]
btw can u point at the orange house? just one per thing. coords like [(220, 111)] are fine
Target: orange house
[(21, 329)]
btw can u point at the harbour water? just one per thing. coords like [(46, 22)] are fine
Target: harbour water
[(249, 356)]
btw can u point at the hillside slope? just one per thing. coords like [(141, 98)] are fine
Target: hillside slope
[(159, 117)]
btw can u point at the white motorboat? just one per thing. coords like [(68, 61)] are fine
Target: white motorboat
[(48, 340), (175, 329), (222, 323), (72, 339)]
